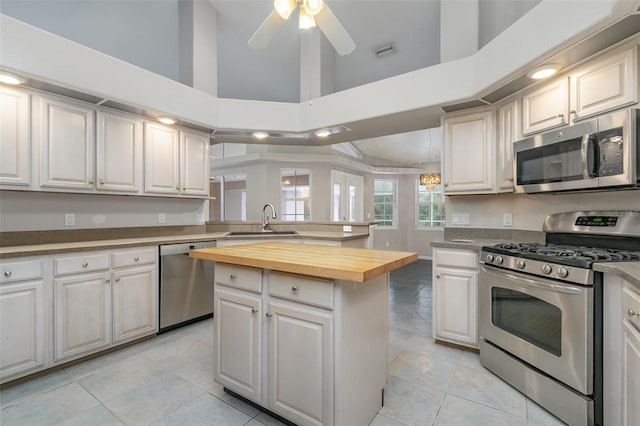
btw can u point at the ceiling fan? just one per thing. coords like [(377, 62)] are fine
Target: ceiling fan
[(312, 12)]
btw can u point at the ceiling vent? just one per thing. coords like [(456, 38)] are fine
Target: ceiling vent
[(385, 49)]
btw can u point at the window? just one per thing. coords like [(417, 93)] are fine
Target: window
[(294, 195), (429, 206), (385, 201)]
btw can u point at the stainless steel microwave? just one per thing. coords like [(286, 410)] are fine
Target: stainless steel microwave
[(603, 152)]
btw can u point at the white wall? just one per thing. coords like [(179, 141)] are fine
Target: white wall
[(529, 210), (36, 211), (405, 237), (496, 15)]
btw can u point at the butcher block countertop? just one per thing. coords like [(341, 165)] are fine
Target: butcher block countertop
[(338, 263)]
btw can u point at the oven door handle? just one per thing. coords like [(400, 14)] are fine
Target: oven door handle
[(558, 288)]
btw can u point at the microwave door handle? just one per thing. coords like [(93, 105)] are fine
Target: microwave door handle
[(588, 152)]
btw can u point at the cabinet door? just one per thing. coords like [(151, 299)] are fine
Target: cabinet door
[(135, 300), (21, 327), (631, 375), (238, 342), (67, 145), (455, 299), (605, 85), (82, 320), (119, 149), (468, 155), (300, 364), (194, 167), (508, 133), (161, 159), (546, 107), (15, 138)]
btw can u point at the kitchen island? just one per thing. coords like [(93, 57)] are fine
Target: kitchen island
[(302, 330)]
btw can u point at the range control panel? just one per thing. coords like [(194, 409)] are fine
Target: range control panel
[(596, 221)]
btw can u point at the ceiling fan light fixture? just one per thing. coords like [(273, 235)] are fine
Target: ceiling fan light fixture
[(284, 7), (305, 21), (312, 7)]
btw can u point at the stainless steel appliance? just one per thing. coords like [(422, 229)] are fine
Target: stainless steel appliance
[(540, 309), (186, 285), (600, 153)]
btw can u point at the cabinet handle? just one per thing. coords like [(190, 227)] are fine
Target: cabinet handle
[(85, 264), (295, 288), (177, 188), (446, 184), (633, 313), (254, 310), (269, 314), (232, 276), (573, 111), (107, 281), (7, 273), (184, 188), (118, 279), (135, 259), (101, 182), (561, 117), (509, 179), (437, 276), (91, 182)]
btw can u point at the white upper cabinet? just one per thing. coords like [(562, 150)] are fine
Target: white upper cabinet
[(119, 152), (605, 85), (194, 164), (175, 162), (508, 131), (546, 107), (468, 153), (161, 159), (67, 141), (15, 137)]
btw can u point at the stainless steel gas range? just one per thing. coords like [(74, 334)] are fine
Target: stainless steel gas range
[(540, 309)]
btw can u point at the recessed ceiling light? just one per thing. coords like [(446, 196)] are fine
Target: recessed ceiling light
[(166, 120), (260, 135), (8, 78), (323, 133), (543, 71)]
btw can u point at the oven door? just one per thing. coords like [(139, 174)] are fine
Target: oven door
[(547, 324)]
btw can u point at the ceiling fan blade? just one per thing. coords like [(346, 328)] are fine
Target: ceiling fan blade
[(334, 31), (266, 31)]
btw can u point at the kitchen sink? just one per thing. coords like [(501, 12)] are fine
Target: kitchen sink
[(258, 233)]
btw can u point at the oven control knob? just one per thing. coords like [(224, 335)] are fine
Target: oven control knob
[(563, 272), (489, 258), (520, 264), (499, 260), (546, 269)]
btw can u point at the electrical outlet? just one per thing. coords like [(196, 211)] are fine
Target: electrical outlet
[(161, 218), (69, 219), (386, 244), (460, 219), (507, 219), (346, 228)]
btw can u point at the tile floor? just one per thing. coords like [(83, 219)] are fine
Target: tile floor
[(168, 380)]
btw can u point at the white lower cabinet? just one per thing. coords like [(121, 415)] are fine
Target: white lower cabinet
[(455, 296), (22, 317), (300, 368), (135, 301), (305, 348), (621, 352), (82, 321)]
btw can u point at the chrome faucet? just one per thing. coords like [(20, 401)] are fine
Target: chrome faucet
[(265, 218)]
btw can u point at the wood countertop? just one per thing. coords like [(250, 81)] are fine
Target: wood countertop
[(340, 263)]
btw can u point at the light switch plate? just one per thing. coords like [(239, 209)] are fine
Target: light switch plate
[(460, 219), (69, 219), (507, 219), (161, 218)]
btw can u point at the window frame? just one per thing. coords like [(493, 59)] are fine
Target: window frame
[(394, 204), (436, 190), (296, 215)]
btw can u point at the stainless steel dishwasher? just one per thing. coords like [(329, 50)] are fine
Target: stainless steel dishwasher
[(186, 285)]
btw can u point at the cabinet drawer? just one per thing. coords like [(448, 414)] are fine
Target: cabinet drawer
[(20, 270), (122, 258), (80, 263), (631, 306), (241, 277), (458, 258), (301, 289)]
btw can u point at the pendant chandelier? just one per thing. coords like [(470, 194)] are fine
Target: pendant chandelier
[(430, 180)]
